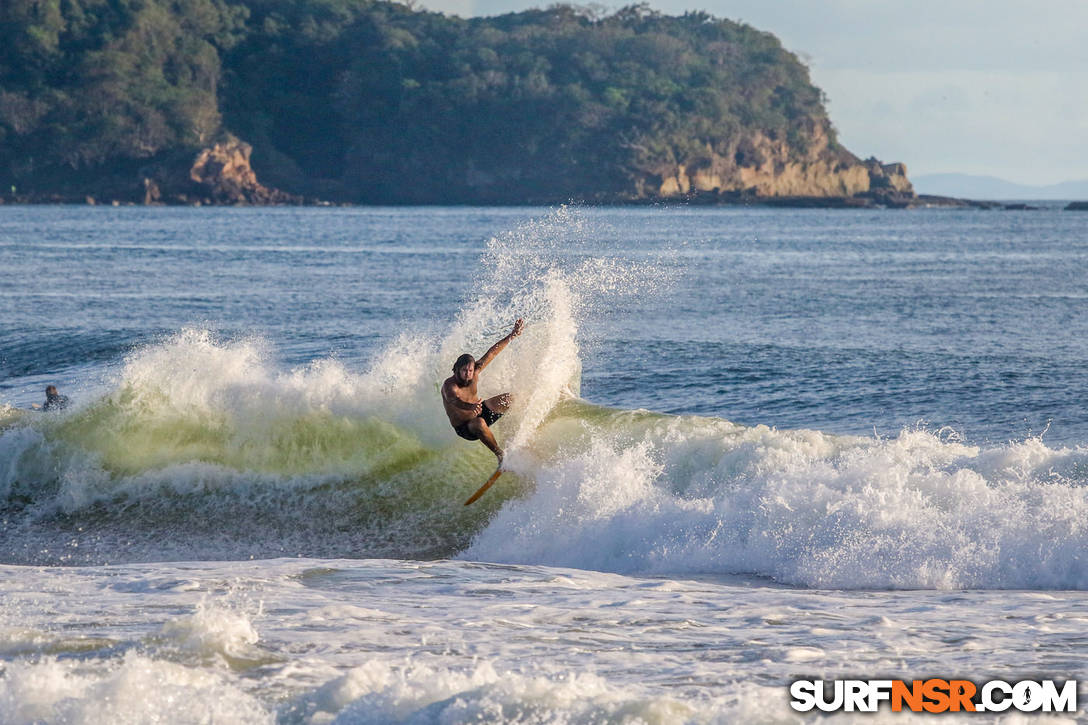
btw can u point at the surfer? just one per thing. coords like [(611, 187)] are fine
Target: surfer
[(54, 400), (470, 416)]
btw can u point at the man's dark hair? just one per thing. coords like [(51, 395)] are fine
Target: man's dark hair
[(463, 361), (51, 390)]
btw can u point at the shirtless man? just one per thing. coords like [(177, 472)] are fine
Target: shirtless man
[(53, 400), (471, 417)]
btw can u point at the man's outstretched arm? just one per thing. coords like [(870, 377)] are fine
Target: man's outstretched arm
[(498, 346)]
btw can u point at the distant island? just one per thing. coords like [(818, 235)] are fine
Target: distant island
[(355, 101), (991, 187)]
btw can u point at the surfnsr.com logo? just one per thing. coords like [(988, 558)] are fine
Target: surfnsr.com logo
[(933, 695)]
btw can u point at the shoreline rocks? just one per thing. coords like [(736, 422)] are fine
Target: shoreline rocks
[(218, 175), (222, 175)]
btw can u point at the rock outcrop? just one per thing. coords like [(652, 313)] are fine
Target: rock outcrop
[(222, 175), (762, 167), (218, 174)]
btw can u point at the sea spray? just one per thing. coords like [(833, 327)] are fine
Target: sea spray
[(206, 447), (554, 273)]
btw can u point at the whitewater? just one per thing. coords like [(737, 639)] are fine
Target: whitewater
[(747, 447)]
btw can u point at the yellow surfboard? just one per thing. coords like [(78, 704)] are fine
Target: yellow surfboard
[(480, 491)]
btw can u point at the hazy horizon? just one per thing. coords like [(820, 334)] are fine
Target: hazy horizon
[(976, 88), (972, 186)]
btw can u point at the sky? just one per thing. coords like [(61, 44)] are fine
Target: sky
[(985, 87)]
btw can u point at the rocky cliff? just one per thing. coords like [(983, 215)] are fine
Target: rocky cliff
[(222, 174), (384, 103), (760, 166)]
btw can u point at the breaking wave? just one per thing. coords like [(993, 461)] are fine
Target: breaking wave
[(206, 448)]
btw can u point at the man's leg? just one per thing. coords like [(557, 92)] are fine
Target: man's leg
[(483, 432), (500, 403)]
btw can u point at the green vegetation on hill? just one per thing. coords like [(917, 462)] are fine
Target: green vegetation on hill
[(375, 101), (87, 82)]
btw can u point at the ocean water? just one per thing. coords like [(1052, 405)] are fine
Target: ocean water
[(748, 446)]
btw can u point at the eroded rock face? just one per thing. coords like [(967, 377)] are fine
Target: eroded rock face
[(888, 176), (219, 174), (224, 174), (767, 167)]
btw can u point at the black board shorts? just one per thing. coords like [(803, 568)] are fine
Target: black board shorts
[(489, 417)]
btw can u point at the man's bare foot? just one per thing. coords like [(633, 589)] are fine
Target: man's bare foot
[(499, 455)]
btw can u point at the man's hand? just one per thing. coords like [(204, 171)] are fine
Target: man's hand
[(498, 346), (478, 409)]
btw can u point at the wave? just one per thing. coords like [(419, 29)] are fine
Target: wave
[(138, 688), (204, 449), (209, 449), (663, 495)]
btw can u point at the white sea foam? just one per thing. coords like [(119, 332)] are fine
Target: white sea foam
[(213, 630), (699, 495), (391, 641), (380, 692), (135, 689)]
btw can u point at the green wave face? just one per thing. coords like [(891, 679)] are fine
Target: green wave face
[(199, 486), (130, 439), (139, 475), (206, 450)]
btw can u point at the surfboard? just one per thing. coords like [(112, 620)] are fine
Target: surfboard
[(482, 489)]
